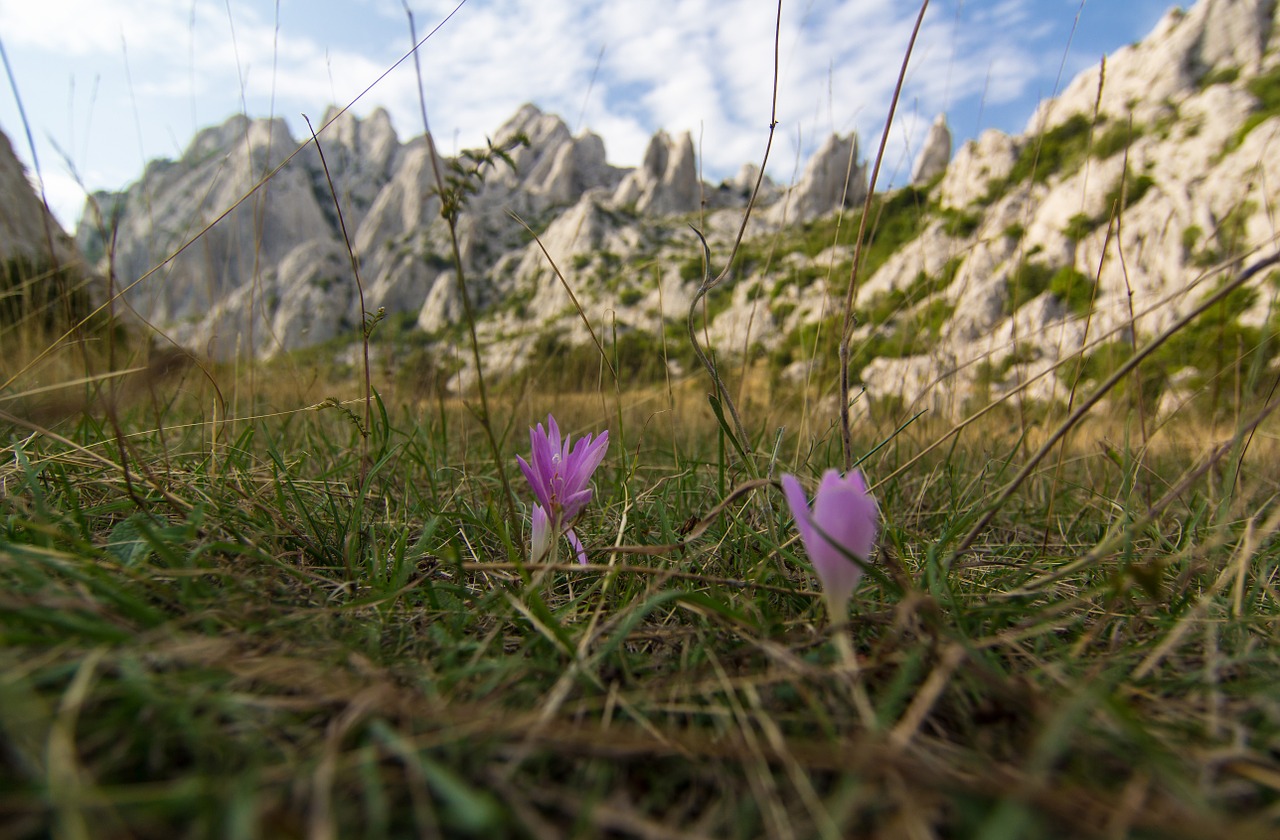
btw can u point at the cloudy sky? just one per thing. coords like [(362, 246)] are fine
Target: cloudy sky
[(109, 84)]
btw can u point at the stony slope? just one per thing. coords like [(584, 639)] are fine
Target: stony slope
[(27, 230), (1120, 208), (41, 272), (273, 273), (1116, 211)]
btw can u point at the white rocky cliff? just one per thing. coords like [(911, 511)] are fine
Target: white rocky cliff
[(934, 155), (272, 274), (43, 280), (28, 231), (1147, 203), (985, 273)]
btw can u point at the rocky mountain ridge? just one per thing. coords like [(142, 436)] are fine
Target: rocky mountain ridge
[(273, 274), (42, 276), (28, 230), (1112, 215)]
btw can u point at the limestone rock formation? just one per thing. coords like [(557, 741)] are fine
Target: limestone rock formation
[(834, 178), (977, 164), (667, 182), (1089, 230), (552, 169), (934, 155), (28, 230), (303, 301), (1140, 80), (220, 177), (736, 191), (227, 289), (555, 166), (361, 154), (1095, 225)]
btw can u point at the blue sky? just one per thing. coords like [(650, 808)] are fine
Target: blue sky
[(110, 84)]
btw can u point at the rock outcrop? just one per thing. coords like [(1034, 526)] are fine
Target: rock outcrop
[(222, 177), (667, 182), (28, 231), (979, 163), (934, 155), (1139, 80), (1099, 222), (1093, 229), (833, 179), (246, 282)]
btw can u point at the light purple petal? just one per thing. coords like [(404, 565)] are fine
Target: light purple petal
[(831, 480), (799, 504), (583, 461), (542, 461), (531, 475), (559, 473), (577, 546), (575, 504), (553, 436), (843, 520), (540, 545), (847, 515)]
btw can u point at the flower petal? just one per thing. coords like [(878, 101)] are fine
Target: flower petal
[(541, 445), (574, 504), (535, 483), (583, 461), (540, 545), (577, 546), (846, 514), (552, 436), (843, 522), (799, 504), (559, 472)]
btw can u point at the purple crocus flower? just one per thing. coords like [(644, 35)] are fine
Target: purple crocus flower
[(843, 522), (559, 475)]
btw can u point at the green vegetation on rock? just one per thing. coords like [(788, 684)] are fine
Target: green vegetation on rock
[(1059, 151), (1115, 139), (1216, 350), (1027, 281), (1266, 89), (1074, 288)]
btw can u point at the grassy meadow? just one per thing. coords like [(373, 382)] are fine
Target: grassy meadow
[(234, 607), (282, 599)]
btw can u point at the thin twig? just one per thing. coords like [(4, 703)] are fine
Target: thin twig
[(365, 324), (467, 309), (708, 283), (846, 331), (569, 290)]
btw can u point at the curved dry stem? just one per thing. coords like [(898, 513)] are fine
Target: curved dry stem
[(364, 313), (467, 309), (708, 283), (846, 331), (708, 363), (586, 322)]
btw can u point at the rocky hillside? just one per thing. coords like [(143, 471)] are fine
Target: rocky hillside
[(1120, 207), (27, 230), (273, 273), (41, 274), (1129, 198)]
